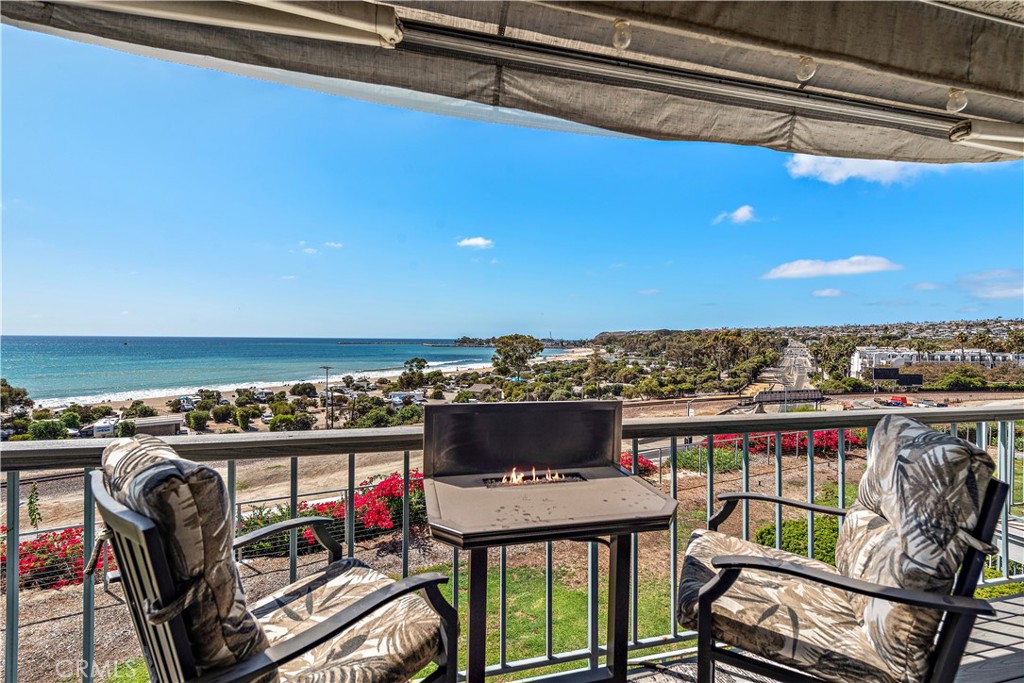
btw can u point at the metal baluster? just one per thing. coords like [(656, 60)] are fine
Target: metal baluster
[(979, 435), (778, 489), (350, 507), (88, 586), (673, 540), (405, 514), (13, 589), (870, 439), (746, 485), (634, 552), (841, 472), (810, 492), (502, 607), (1005, 455), (455, 579), (592, 611), (233, 496), (711, 476), (548, 598), (293, 534)]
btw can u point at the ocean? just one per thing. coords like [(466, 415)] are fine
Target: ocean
[(94, 369)]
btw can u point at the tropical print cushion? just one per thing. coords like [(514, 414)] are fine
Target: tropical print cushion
[(388, 646), (793, 622), (918, 502), (188, 504)]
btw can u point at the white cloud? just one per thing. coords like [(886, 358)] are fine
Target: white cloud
[(835, 171), (334, 245), (855, 265), (926, 286), (827, 292), (309, 250), (649, 292), (302, 243), (289, 277), (744, 214), (1005, 283), (475, 243)]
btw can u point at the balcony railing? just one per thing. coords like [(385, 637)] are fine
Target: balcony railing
[(755, 449)]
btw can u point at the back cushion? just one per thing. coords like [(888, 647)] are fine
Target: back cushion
[(188, 504), (918, 501)]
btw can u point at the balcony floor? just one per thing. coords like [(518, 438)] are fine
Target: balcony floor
[(995, 653)]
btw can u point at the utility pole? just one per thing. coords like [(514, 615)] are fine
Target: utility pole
[(329, 395)]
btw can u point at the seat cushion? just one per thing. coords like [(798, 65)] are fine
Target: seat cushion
[(787, 620), (388, 646), (188, 504)]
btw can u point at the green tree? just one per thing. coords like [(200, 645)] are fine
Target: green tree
[(12, 397), (35, 515), (70, 419), (47, 430), (512, 353), (304, 422), (462, 397), (125, 428), (241, 418), (282, 408), (42, 414), (1015, 341)]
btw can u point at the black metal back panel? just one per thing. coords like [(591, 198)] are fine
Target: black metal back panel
[(956, 628), (495, 437), (146, 577)]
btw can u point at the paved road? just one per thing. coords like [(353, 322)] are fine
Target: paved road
[(797, 364)]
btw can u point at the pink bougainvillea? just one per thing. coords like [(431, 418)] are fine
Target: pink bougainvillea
[(645, 467)]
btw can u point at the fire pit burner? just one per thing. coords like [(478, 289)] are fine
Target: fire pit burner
[(522, 479)]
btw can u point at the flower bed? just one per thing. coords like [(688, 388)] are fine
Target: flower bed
[(50, 560), (644, 466), (826, 441)]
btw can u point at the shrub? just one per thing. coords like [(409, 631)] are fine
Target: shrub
[(206, 404), (174, 405), (222, 413), (139, 409), (307, 389), (794, 537), (50, 560), (197, 419), (437, 394), (241, 418), (21, 437), (462, 397), (125, 428), (42, 414), (696, 459), (47, 430), (209, 395), (282, 408), (282, 423), (645, 467), (304, 422), (20, 424), (408, 415)]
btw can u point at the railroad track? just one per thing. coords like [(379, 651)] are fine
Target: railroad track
[(43, 478)]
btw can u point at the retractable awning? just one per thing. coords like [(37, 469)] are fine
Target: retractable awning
[(886, 80)]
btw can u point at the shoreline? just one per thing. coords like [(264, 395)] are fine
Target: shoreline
[(158, 397)]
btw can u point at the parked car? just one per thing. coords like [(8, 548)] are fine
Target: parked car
[(266, 417)]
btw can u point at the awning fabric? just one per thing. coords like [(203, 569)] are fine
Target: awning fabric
[(711, 71)]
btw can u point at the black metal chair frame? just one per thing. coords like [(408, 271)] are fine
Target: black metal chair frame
[(145, 575), (961, 610)]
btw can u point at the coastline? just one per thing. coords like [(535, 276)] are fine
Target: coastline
[(158, 398)]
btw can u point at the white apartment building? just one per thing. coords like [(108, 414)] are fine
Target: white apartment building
[(867, 357)]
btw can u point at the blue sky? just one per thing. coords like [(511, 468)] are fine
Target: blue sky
[(147, 198)]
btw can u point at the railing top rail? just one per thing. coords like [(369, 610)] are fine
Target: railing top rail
[(79, 453)]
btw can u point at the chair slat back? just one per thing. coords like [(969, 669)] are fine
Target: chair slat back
[(956, 628), (146, 578)]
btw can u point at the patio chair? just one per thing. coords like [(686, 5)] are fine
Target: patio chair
[(168, 524), (896, 607)]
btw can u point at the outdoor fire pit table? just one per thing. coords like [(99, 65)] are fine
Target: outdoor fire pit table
[(505, 474)]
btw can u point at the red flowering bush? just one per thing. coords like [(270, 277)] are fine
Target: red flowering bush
[(50, 560), (644, 467), (826, 441)]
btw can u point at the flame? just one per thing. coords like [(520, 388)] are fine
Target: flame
[(516, 477)]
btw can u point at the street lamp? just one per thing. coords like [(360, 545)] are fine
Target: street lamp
[(328, 395)]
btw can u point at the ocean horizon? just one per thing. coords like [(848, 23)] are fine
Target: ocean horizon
[(64, 369)]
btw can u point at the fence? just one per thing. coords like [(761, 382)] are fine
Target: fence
[(755, 447)]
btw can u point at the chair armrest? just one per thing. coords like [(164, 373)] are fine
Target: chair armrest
[(731, 499), (732, 564), (318, 525), (271, 658)]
